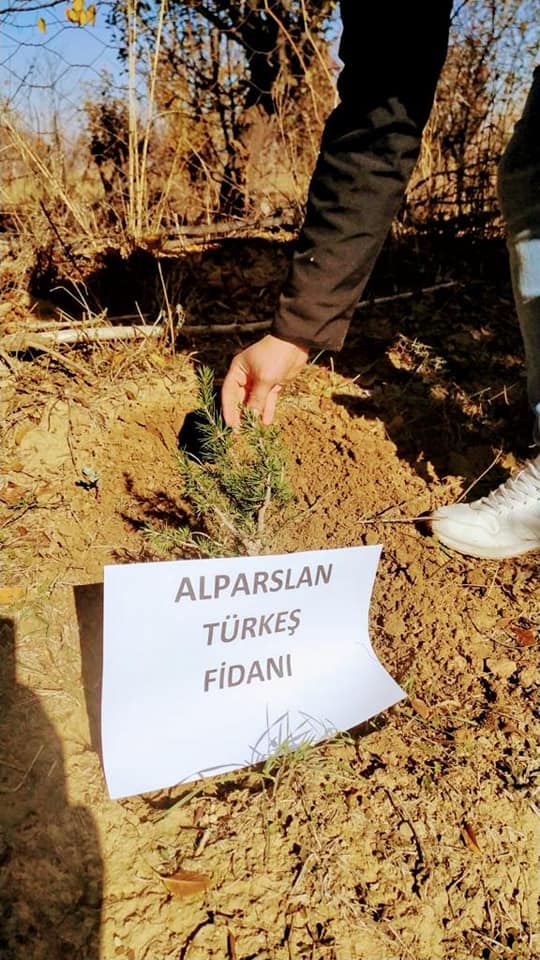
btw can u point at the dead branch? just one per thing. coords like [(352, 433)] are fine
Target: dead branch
[(21, 342), (37, 340), (226, 327), (225, 228), (406, 295)]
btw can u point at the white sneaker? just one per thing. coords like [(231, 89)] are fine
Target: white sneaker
[(506, 523)]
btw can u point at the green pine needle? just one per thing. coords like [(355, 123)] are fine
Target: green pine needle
[(235, 485)]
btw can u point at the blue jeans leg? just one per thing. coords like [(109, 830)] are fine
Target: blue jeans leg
[(519, 196)]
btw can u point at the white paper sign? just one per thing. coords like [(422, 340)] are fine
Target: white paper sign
[(212, 665)]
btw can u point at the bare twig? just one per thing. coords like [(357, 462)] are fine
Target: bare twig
[(23, 780), (19, 342), (407, 294), (228, 524), (13, 343), (227, 327), (65, 246), (263, 509), (223, 229), (169, 312), (481, 477), (42, 345), (9, 362), (40, 169), (395, 520)]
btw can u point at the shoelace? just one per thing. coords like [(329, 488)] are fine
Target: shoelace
[(524, 486)]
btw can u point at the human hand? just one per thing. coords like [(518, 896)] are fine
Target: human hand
[(256, 375)]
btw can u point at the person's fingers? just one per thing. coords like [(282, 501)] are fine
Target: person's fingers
[(270, 405), (255, 377), (233, 395), (258, 396)]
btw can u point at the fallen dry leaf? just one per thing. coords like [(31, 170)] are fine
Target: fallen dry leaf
[(525, 636), (502, 667), (11, 594), (44, 490), (186, 882), (525, 633), (469, 837), (12, 494), (510, 727), (420, 707)]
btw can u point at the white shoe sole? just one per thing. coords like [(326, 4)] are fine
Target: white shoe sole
[(485, 553)]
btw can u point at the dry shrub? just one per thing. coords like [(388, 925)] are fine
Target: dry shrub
[(232, 132), (479, 98)]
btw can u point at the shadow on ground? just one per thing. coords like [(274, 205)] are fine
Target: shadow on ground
[(444, 368), (50, 861)]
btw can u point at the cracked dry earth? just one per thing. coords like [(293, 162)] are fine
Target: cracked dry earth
[(414, 838)]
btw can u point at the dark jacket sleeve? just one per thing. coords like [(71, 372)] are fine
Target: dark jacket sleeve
[(392, 53)]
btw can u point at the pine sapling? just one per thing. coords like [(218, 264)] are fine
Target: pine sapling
[(234, 482)]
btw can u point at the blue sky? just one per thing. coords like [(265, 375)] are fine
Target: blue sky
[(42, 72)]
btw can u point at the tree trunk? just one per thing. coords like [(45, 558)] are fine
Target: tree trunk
[(244, 158)]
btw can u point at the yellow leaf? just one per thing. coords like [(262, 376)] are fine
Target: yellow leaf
[(41, 25), (78, 5), (11, 594), (71, 15), (91, 15), (83, 17), (185, 883)]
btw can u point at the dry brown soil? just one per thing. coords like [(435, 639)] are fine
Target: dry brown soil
[(413, 838)]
